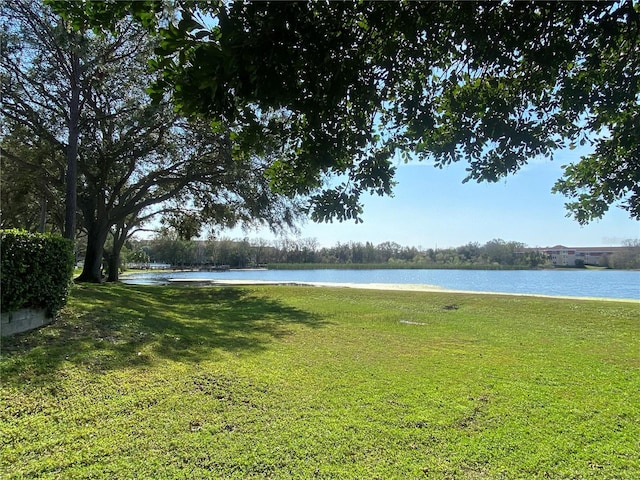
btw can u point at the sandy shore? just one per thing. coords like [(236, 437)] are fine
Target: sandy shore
[(408, 287), (366, 286)]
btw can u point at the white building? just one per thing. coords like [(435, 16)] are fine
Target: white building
[(562, 256)]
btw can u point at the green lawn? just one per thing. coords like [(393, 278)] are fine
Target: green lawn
[(304, 382)]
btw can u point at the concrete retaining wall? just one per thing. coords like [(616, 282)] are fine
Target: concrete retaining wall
[(22, 320)]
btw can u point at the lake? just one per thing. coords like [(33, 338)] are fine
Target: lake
[(574, 283)]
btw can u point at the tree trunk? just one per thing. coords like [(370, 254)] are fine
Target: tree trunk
[(43, 214), (71, 177), (114, 259), (113, 266), (92, 269), (120, 234)]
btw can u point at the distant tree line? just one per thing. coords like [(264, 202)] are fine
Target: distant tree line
[(244, 253), (626, 259)]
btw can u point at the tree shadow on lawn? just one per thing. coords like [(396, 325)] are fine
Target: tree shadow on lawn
[(117, 326)]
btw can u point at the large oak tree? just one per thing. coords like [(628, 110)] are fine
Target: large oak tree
[(134, 158)]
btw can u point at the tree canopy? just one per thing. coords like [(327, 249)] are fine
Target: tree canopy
[(345, 86)]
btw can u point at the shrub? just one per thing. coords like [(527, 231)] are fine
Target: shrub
[(35, 271)]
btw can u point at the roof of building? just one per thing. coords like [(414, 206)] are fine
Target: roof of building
[(577, 249)]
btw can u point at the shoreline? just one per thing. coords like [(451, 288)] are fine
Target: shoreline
[(406, 287)]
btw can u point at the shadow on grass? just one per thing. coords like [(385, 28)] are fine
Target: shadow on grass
[(117, 326)]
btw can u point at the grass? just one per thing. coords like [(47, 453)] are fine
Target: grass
[(303, 382)]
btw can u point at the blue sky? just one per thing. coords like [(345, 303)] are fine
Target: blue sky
[(432, 207)]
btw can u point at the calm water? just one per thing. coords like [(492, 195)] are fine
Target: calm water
[(574, 283)]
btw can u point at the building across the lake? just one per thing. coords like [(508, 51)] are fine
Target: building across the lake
[(561, 256)]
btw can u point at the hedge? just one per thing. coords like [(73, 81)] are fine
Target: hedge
[(35, 271)]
